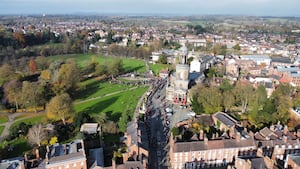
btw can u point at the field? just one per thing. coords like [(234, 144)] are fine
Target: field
[(3, 119), (1, 129), (94, 88), (158, 67), (33, 120), (130, 65), (113, 105)]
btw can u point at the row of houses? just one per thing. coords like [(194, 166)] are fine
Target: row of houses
[(236, 146)]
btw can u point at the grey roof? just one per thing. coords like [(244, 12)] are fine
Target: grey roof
[(13, 163), (212, 144), (258, 163), (226, 119), (96, 155), (295, 158), (281, 59)]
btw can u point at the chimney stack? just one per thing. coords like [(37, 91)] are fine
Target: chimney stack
[(205, 140), (201, 135), (231, 132), (298, 133), (284, 139), (238, 137), (113, 162), (285, 130)]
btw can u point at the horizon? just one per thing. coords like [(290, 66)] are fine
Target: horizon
[(152, 8)]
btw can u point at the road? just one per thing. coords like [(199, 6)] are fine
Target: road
[(159, 132)]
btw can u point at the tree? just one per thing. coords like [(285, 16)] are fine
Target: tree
[(42, 62), (237, 47), (32, 66), (211, 99), (243, 94), (162, 59), (115, 67), (53, 140), (36, 135), (12, 91), (60, 107), (196, 106), (31, 95), (100, 119), (110, 127), (283, 104), (67, 78), (6, 73), (228, 100), (101, 69)]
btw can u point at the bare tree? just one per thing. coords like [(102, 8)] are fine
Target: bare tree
[(36, 135)]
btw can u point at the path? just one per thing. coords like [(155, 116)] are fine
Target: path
[(11, 117)]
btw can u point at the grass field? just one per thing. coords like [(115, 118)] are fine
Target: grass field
[(93, 88), (158, 67), (113, 105), (1, 129), (33, 120), (129, 65), (3, 119)]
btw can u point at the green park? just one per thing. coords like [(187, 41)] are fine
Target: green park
[(93, 96)]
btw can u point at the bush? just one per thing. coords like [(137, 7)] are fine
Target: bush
[(19, 130)]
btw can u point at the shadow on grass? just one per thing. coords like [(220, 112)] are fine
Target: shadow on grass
[(17, 148), (129, 69), (113, 116), (88, 90), (100, 106)]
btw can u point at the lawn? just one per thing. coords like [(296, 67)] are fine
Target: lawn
[(129, 65), (113, 105), (33, 120), (1, 129), (3, 119), (94, 88), (158, 67)]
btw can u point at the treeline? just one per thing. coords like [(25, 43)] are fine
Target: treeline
[(246, 102)]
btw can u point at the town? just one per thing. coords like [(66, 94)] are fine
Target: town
[(143, 92)]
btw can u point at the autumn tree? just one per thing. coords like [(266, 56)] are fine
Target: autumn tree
[(36, 135), (100, 119), (32, 65), (12, 91), (6, 73), (228, 100), (243, 94), (42, 62), (32, 95), (67, 79), (115, 67), (60, 107)]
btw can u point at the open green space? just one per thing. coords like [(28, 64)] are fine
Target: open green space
[(158, 67), (1, 129), (94, 88), (3, 119), (34, 120), (129, 64), (113, 105)]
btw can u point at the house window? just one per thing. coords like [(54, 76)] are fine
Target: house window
[(74, 165), (81, 163), (67, 166)]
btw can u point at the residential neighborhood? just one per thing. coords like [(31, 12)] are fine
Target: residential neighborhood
[(143, 92)]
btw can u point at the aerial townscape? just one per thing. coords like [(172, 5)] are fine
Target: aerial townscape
[(153, 90)]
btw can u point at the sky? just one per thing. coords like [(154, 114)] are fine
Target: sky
[(154, 7)]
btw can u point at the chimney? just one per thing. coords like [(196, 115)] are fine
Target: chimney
[(284, 139), (37, 154), (113, 163), (238, 137), (285, 130), (298, 133), (205, 140), (213, 136), (251, 134), (217, 135), (272, 127), (231, 132), (201, 135)]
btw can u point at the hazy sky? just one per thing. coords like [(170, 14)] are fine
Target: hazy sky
[(177, 7)]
